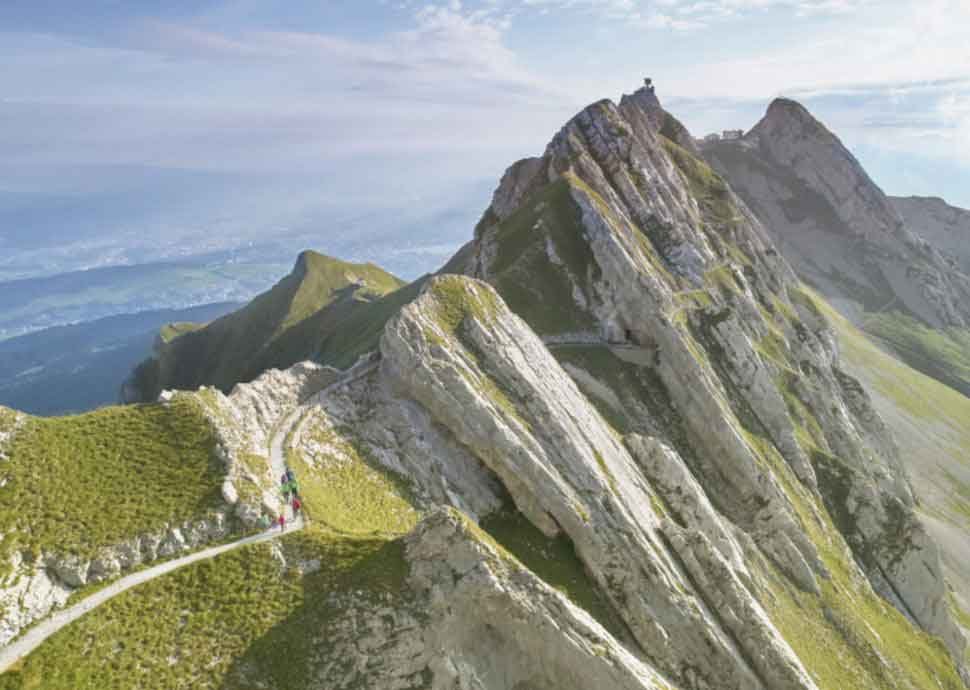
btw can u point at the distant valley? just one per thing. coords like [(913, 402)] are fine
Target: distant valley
[(75, 368)]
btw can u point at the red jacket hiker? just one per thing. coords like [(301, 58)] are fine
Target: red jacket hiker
[(296, 505), (282, 521)]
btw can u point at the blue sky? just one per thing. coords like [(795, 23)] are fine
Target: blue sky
[(371, 104)]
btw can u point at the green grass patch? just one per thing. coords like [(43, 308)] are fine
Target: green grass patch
[(171, 331), (601, 463), (943, 355), (533, 286), (708, 188), (457, 298), (83, 482), (232, 622), (723, 279), (8, 419), (694, 299), (349, 492)]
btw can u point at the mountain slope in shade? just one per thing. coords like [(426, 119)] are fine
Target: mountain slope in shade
[(278, 328), (945, 227)]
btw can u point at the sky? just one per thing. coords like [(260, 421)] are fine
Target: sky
[(263, 109)]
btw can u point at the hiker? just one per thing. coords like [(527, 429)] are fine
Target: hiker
[(296, 506), (294, 488), (284, 478), (263, 522), (282, 522), (289, 475)]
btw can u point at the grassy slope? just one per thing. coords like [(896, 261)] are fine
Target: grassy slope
[(931, 422), (361, 331), (534, 287), (233, 622), (237, 621), (278, 328), (77, 483), (943, 355), (555, 562), (347, 491)]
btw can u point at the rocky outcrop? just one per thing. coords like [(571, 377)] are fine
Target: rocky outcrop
[(483, 375), (244, 422), (37, 587), (834, 224), (668, 264), (493, 624)]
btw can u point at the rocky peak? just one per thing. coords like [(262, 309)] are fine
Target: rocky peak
[(617, 237), (644, 101), (793, 138), (835, 225)]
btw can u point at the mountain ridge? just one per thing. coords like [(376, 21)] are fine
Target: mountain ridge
[(627, 389), (278, 328)]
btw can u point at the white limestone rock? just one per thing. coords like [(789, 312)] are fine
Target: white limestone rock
[(493, 624), (482, 374)]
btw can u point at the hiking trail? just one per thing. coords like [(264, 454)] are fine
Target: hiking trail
[(36, 635)]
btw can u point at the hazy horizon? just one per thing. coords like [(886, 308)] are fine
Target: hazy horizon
[(133, 130)]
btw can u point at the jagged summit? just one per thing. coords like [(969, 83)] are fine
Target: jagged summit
[(617, 236)]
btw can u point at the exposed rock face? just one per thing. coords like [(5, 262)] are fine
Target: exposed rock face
[(630, 364), (945, 227), (35, 589), (659, 256), (29, 596), (836, 226), (493, 624), (499, 391), (244, 422)]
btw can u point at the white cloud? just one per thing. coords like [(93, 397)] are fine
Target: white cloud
[(684, 15)]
